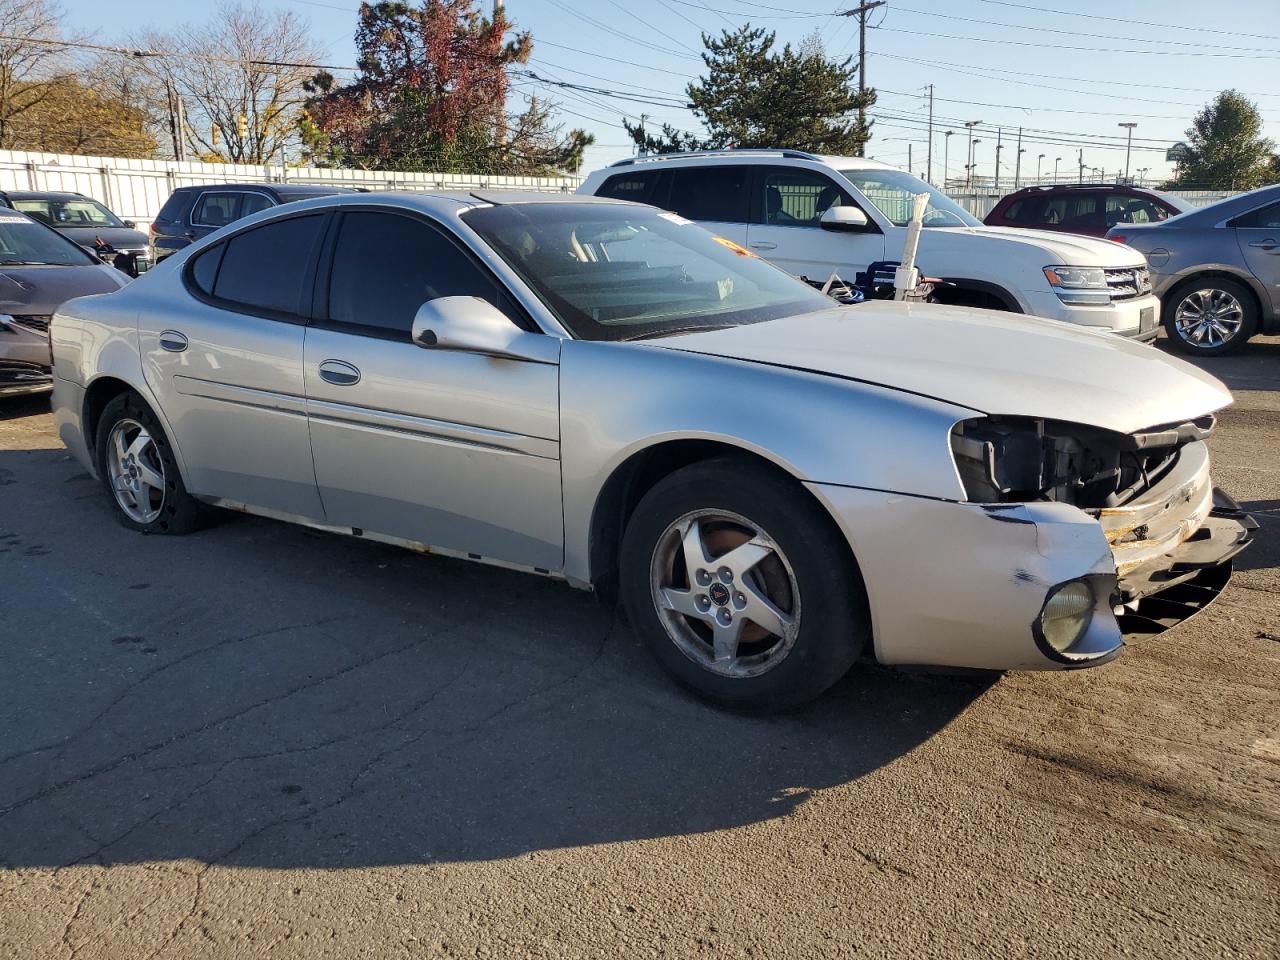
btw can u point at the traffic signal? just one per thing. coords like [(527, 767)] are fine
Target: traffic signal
[(216, 134), (242, 126)]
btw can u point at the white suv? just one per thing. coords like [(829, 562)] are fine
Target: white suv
[(815, 215)]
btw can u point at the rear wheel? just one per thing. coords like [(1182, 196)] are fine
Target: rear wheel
[(138, 468), (1210, 316), (741, 587)]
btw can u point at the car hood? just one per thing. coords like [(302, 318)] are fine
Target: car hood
[(122, 238), (1067, 249), (41, 290), (995, 363)]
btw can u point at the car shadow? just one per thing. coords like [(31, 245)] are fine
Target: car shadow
[(1264, 552), (1255, 366), (264, 695), (28, 405)]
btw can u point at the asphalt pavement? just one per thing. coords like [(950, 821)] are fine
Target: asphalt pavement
[(260, 740)]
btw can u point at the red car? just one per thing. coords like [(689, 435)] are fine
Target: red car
[(1088, 208)]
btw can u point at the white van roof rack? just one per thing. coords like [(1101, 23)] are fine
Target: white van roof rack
[(787, 154)]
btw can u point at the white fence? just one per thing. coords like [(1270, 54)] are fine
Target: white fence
[(136, 189)]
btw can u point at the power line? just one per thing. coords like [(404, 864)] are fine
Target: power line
[(1200, 45), (1030, 109), (1060, 46), (1138, 23)]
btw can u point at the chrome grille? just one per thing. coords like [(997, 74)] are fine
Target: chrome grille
[(38, 322), (1127, 283)]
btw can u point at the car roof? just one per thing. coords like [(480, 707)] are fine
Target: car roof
[(1072, 187), (44, 195), (746, 155), (279, 189), (444, 203)]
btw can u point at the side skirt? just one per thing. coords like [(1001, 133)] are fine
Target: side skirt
[(414, 545)]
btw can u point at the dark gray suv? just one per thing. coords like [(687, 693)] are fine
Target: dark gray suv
[(194, 212), (1216, 270)]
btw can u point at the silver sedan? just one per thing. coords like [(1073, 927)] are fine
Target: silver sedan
[(1216, 270), (607, 394)]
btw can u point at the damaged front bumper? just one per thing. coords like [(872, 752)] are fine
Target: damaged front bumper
[(965, 584), (18, 377)]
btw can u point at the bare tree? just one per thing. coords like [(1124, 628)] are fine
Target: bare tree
[(28, 67), (244, 62)]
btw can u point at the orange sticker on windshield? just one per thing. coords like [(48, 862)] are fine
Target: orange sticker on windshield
[(736, 248)]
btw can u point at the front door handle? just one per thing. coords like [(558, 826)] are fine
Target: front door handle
[(173, 341), (763, 245), (339, 373), (1267, 244)]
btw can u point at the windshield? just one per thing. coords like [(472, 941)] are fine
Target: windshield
[(891, 191), (622, 272), (25, 242), (69, 213)]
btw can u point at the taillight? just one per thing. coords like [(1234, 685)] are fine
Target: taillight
[(1117, 238), (151, 229)]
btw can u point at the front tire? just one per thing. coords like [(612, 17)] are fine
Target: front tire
[(137, 466), (1210, 317), (741, 587)]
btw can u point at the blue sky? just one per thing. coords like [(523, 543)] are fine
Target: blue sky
[(1034, 64)]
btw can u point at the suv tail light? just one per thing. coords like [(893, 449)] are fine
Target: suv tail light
[(1116, 238)]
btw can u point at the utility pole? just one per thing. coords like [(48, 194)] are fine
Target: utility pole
[(946, 158), (910, 168), (861, 13), (1017, 163), (1128, 146), (1082, 164), (928, 163), (999, 147), (968, 164)]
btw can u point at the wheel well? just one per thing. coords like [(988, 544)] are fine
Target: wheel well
[(101, 392), (632, 480), (977, 293), (1167, 302)]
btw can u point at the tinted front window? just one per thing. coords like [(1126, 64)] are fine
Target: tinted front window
[(716, 193), (69, 213), (1021, 211), (798, 198), (263, 269), (23, 241), (635, 186), (1125, 209), (617, 272), (386, 266), (1267, 218), (891, 191)]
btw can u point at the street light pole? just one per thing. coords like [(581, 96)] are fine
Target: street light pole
[(970, 124), (1055, 169), (1128, 146), (1039, 160), (946, 158)]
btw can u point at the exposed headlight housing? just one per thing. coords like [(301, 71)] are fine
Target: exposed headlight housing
[(1085, 285), (1067, 613)]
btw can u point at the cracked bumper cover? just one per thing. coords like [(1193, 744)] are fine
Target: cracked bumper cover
[(18, 377), (962, 584)]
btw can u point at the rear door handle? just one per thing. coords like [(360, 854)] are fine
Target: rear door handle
[(173, 341), (1267, 244), (339, 373), (763, 245)]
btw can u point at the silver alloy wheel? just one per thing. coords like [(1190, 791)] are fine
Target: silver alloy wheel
[(1209, 317), (725, 592), (135, 471)]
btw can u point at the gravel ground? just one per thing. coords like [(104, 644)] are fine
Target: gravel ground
[(261, 740)]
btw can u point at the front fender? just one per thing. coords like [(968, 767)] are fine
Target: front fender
[(617, 400)]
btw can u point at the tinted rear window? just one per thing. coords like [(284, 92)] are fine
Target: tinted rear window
[(711, 193), (263, 269), (173, 207), (636, 185)]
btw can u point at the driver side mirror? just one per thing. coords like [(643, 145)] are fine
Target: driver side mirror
[(131, 224), (848, 219), (473, 325)]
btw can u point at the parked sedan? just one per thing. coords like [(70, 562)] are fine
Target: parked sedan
[(607, 394), (39, 271), (1090, 209), (87, 222), (1216, 270)]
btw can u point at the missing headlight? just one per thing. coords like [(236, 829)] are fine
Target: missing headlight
[(1019, 459)]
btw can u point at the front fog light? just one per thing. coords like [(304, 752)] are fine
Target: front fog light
[(1067, 614)]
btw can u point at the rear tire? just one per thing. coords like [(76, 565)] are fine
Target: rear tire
[(741, 586), (137, 466), (1210, 317)]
